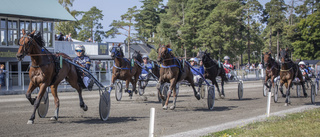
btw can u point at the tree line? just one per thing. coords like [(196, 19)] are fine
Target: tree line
[(241, 29)]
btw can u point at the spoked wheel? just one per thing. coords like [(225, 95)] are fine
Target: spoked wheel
[(317, 87), (104, 105), (276, 89), (164, 92), (298, 91), (313, 94), (142, 86), (44, 105), (118, 90), (240, 89), (211, 96), (265, 88)]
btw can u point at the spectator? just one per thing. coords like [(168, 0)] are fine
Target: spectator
[(2, 75), (69, 37), (89, 40), (260, 66), (60, 37)]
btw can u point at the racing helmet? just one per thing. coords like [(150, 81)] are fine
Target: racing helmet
[(145, 56), (226, 58), (195, 60), (302, 63), (80, 47)]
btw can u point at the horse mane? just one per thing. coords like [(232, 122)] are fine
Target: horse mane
[(38, 38), (168, 45)]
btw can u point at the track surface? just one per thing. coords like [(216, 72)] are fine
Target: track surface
[(130, 117)]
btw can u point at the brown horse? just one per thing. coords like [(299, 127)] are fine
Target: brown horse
[(43, 72), (272, 69), (171, 71), (123, 70), (288, 72), (212, 70)]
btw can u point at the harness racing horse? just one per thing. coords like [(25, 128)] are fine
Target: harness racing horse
[(43, 72), (272, 69), (123, 70), (170, 72), (212, 70), (289, 70)]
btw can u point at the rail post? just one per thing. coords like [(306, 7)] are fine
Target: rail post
[(268, 104), (151, 124)]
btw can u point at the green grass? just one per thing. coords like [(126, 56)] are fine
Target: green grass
[(304, 124)]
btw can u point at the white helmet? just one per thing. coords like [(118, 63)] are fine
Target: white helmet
[(145, 56), (80, 47), (302, 63), (226, 58), (195, 60)]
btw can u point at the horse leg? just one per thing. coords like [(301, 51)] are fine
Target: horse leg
[(190, 80), (222, 88), (172, 85), (29, 91), (36, 103), (175, 96), (214, 81), (281, 88), (56, 102), (288, 84), (127, 88), (134, 84), (159, 84)]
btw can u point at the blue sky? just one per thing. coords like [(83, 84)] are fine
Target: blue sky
[(112, 10)]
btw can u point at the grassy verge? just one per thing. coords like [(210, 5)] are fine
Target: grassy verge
[(304, 124)]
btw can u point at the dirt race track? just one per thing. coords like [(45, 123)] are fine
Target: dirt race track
[(130, 117)]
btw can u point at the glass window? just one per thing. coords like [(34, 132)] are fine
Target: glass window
[(3, 38), (50, 26), (50, 39), (9, 24), (45, 38), (10, 39), (34, 26), (38, 26), (15, 37), (45, 26), (28, 26), (3, 23), (15, 24), (21, 27)]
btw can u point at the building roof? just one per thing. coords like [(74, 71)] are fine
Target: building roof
[(49, 10), (143, 48), (311, 61)]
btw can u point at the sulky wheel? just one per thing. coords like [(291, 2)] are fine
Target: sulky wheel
[(104, 105), (211, 96), (313, 94), (298, 90), (44, 105), (164, 92), (240, 89), (142, 85), (118, 90), (203, 91)]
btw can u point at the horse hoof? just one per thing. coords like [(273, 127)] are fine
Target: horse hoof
[(30, 122), (54, 118), (165, 107), (85, 107), (286, 104), (305, 95), (197, 96), (136, 91), (222, 96), (172, 107), (284, 96)]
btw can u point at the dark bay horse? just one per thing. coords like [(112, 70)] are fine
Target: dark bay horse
[(288, 72), (272, 69), (171, 71), (123, 70), (43, 72), (212, 70)]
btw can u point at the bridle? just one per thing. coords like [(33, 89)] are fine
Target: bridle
[(26, 50)]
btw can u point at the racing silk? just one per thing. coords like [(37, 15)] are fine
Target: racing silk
[(227, 67), (83, 60), (202, 69), (196, 68), (304, 70), (146, 68)]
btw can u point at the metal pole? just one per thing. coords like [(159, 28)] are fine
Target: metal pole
[(268, 104), (22, 78), (151, 124)]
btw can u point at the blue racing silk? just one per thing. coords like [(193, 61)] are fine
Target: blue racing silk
[(196, 68), (83, 60), (146, 68)]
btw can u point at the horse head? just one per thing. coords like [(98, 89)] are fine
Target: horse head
[(200, 54), (283, 55), (137, 55), (206, 58), (26, 44), (116, 52), (267, 58), (164, 52)]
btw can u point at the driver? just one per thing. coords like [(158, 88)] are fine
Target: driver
[(196, 75), (227, 66), (304, 70), (85, 62), (146, 67)]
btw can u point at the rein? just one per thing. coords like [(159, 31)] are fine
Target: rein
[(285, 69)]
